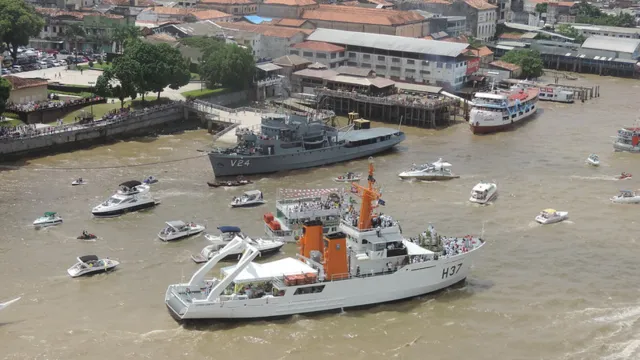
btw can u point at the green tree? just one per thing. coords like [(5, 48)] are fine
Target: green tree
[(529, 60), (589, 14), (178, 72), (118, 81), (542, 8), (73, 33), (570, 31), (5, 91), (19, 22), (230, 66), (122, 33), (190, 18)]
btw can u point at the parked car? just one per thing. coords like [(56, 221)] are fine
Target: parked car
[(16, 68), (64, 52)]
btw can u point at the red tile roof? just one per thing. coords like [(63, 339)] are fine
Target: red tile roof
[(267, 30), (18, 83), (511, 36), (480, 4), (361, 15), (505, 65), (228, 2), (480, 52), (53, 12), (296, 23), (199, 14), (460, 39), (290, 2), (138, 3), (318, 46)]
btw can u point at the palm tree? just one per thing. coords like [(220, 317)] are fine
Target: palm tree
[(73, 33), (123, 33)]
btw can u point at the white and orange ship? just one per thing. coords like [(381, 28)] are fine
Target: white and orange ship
[(500, 110), (367, 262)]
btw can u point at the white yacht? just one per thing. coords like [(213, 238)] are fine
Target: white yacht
[(177, 230), (626, 197), (50, 218), (348, 177), (363, 264), (4, 305), (91, 264), (132, 196), (550, 216), (249, 198), (484, 193), (439, 170), (593, 160), (78, 181), (227, 234), (295, 206)]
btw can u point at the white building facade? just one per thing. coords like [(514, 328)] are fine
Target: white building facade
[(486, 26)]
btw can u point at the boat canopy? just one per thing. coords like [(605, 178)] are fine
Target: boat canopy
[(252, 192), (50, 213), (131, 183), (267, 271), (176, 224), (229, 229), (87, 258), (549, 211)]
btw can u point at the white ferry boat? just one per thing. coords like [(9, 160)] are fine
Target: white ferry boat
[(500, 110), (294, 207), (628, 139), (548, 93), (367, 262)]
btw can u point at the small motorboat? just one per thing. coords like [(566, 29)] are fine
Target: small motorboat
[(87, 236), (593, 160), (249, 198), (238, 182), (348, 177), (624, 176), (50, 218), (77, 182), (150, 180), (91, 264), (439, 170), (4, 305), (228, 233), (176, 230), (550, 216), (484, 193), (626, 197)]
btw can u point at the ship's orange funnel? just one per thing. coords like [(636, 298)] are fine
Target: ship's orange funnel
[(311, 238), (335, 257)]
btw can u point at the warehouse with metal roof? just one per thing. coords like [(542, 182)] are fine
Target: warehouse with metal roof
[(623, 48)]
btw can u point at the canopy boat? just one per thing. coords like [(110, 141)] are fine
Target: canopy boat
[(132, 196), (484, 193), (249, 198), (150, 180), (87, 236), (91, 264), (439, 170), (363, 264), (176, 230), (626, 197), (349, 177), (593, 160), (227, 234), (624, 176), (230, 183), (50, 218), (133, 187), (550, 216), (77, 182), (4, 305)]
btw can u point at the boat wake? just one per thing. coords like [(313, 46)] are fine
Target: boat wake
[(600, 178)]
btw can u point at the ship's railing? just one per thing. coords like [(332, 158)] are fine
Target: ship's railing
[(297, 214), (382, 228)]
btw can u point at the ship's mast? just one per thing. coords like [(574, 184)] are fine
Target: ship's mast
[(368, 195)]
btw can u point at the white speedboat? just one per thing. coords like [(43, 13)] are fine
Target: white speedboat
[(228, 233), (593, 160), (91, 264), (77, 182), (348, 177), (626, 197), (550, 216), (132, 196), (4, 305), (484, 193), (249, 198), (364, 264), (439, 170), (176, 230), (50, 218), (150, 180)]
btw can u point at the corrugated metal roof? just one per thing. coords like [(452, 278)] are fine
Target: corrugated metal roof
[(389, 42), (522, 27), (419, 88), (609, 43), (512, 43), (268, 67)]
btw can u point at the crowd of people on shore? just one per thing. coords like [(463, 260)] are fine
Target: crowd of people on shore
[(51, 104)]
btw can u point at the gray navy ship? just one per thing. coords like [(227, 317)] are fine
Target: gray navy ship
[(289, 142)]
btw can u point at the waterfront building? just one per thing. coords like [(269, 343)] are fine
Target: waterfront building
[(622, 48), (162, 14), (325, 53), (609, 31), (26, 90), (237, 8)]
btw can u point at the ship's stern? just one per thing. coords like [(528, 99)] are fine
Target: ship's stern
[(177, 306)]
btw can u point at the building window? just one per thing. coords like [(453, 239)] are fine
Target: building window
[(439, 65), (410, 62), (333, 55), (294, 52), (352, 55), (395, 60), (425, 63), (380, 58), (341, 54), (365, 65), (395, 68), (409, 71), (307, 54), (425, 72), (366, 56), (320, 55), (352, 63), (381, 67)]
